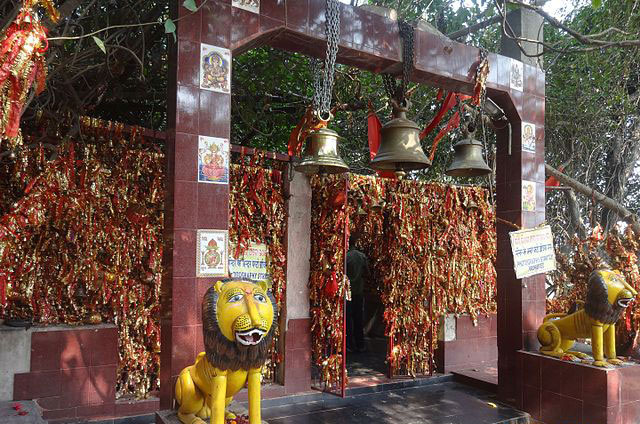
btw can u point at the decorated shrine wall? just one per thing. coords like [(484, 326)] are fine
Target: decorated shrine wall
[(81, 240), (327, 288), (432, 251), (257, 215)]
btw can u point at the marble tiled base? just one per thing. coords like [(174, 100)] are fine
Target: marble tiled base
[(563, 392)]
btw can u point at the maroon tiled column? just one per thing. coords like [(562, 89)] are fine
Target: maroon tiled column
[(190, 205), (521, 303)]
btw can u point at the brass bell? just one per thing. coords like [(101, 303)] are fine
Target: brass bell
[(467, 159), (321, 154), (400, 148)]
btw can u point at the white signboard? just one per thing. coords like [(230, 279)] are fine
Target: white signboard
[(252, 265), (533, 251)]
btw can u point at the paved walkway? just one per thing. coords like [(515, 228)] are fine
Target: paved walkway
[(444, 403)]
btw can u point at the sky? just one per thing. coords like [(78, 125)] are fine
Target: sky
[(557, 8)]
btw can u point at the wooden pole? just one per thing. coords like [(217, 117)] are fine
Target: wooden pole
[(608, 202)]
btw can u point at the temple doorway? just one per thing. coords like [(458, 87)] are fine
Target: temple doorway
[(371, 360)]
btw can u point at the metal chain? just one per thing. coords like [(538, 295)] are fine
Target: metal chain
[(406, 32), (394, 90), (323, 78)]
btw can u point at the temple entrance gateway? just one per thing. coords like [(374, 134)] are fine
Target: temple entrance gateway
[(371, 42)]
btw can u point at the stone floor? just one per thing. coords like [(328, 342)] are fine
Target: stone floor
[(443, 403), (440, 403)]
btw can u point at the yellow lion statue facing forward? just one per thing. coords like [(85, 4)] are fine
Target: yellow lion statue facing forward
[(608, 295), (237, 322)]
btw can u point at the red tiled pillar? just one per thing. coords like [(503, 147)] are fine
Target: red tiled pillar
[(190, 205), (521, 303)]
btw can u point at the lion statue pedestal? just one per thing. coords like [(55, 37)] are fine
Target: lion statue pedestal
[(608, 295), (238, 324)]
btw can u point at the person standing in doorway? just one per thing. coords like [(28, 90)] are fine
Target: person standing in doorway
[(357, 272)]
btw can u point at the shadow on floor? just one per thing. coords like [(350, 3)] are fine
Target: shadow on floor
[(370, 362)]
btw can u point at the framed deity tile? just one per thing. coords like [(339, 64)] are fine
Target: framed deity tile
[(215, 68), (213, 160), (528, 196), (212, 253), (250, 5), (516, 78), (528, 137)]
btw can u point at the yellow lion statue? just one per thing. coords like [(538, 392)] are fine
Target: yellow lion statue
[(237, 322), (608, 295)]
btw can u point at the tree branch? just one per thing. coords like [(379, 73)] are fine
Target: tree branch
[(624, 213), (589, 40), (473, 28)]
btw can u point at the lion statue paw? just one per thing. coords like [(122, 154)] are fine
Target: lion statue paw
[(190, 419), (602, 364)]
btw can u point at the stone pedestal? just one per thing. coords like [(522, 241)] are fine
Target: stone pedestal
[(562, 392)]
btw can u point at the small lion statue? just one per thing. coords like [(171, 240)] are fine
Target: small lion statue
[(608, 295), (238, 324)]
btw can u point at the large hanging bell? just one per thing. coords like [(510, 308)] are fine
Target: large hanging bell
[(321, 154), (468, 160), (400, 148)]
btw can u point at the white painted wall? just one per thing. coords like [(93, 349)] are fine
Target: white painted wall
[(15, 357), (299, 247)]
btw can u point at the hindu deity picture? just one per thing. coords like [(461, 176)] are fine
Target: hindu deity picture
[(215, 68), (517, 75), (250, 5), (528, 137), (213, 160), (528, 196), (212, 253)]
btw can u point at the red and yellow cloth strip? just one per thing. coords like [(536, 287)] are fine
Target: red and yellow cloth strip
[(257, 214), (22, 48)]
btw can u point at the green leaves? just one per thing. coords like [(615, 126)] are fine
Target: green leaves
[(596, 3), (190, 5), (170, 28), (100, 44)]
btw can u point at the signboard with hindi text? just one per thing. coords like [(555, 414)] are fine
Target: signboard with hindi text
[(533, 251), (252, 265)]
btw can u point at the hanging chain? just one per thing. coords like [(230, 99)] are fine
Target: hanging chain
[(406, 32), (323, 77), (394, 90)]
